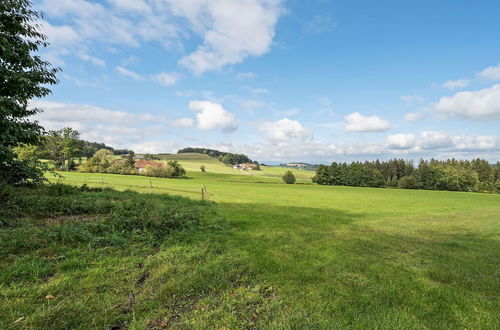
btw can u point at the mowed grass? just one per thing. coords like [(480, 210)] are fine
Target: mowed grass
[(192, 162), (271, 255)]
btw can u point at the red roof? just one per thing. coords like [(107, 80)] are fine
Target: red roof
[(146, 163)]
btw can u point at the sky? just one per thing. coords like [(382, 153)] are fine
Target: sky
[(314, 81)]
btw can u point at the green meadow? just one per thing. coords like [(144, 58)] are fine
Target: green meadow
[(139, 252)]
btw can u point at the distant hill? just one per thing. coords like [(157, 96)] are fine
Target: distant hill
[(225, 157)]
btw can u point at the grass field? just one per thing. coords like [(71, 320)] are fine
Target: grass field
[(272, 255)]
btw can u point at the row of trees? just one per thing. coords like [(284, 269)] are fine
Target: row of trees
[(102, 162), (225, 157), (63, 147), (452, 174)]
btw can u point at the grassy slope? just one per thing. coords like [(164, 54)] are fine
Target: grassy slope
[(306, 256), (192, 161)]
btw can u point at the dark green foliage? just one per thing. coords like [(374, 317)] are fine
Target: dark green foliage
[(225, 157), (24, 76), (408, 182), (288, 177), (451, 175), (172, 170)]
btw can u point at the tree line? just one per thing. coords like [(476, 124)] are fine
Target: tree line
[(103, 162), (65, 148), (227, 158), (451, 174)]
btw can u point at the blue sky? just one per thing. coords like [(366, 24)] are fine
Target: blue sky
[(279, 80)]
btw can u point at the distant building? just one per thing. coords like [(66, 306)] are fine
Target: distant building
[(139, 156), (297, 165), (244, 167)]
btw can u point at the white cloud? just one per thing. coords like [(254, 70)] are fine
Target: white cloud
[(231, 30), (182, 122), (116, 128), (127, 73), (478, 105), (92, 59), (155, 147), (164, 78), (453, 84), (401, 141), (211, 116), (356, 122), (491, 73), (58, 36), (285, 130), (413, 116), (435, 140)]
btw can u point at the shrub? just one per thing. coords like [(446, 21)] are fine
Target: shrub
[(288, 177), (202, 168), (407, 182)]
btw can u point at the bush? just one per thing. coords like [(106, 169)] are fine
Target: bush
[(407, 182), (288, 177)]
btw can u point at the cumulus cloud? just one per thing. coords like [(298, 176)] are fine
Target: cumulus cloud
[(212, 116), (435, 140), (285, 130), (116, 128), (401, 141), (356, 122), (182, 122), (155, 147), (454, 84), (491, 73), (231, 30), (482, 104), (413, 116)]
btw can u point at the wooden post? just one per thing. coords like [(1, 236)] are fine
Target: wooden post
[(202, 194), (205, 188), (102, 180), (150, 184)]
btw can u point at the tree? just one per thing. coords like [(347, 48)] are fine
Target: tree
[(24, 76), (130, 159), (71, 146), (63, 145), (202, 168), (288, 177)]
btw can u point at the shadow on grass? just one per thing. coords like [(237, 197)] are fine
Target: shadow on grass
[(237, 265)]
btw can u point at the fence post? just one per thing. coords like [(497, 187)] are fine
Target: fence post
[(150, 184), (202, 194)]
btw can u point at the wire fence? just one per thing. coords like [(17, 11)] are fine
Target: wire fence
[(147, 184)]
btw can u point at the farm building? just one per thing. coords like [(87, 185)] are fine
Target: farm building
[(244, 167), (141, 165)]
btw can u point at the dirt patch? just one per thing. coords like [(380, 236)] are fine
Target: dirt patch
[(63, 219)]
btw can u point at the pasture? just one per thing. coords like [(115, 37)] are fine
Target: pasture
[(271, 255)]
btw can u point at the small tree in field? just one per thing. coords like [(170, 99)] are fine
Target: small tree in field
[(202, 168), (288, 177)]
